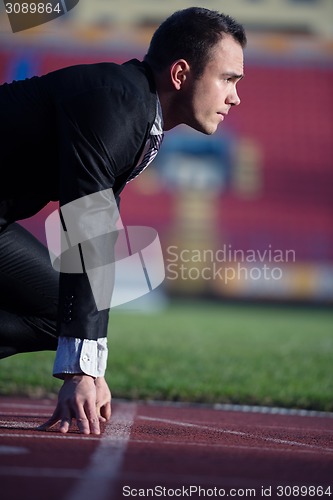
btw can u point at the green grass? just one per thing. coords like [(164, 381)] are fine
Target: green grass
[(206, 353)]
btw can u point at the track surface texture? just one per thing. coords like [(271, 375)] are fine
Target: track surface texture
[(166, 451)]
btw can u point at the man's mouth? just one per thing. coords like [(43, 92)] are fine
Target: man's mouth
[(222, 115)]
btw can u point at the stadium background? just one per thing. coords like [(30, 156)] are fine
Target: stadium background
[(264, 181)]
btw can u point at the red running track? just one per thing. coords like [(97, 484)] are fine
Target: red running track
[(165, 451)]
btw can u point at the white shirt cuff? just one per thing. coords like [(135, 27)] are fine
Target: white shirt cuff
[(80, 356)]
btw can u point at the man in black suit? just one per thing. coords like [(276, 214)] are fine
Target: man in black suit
[(86, 131)]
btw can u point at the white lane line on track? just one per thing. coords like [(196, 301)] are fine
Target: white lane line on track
[(260, 427), (68, 437), (12, 424), (106, 462), (25, 414), (48, 435), (184, 444), (272, 410), (40, 472), (50, 473), (79, 437), (13, 450), (237, 433), (27, 406)]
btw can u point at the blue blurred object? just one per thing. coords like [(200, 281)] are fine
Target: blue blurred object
[(190, 160), (22, 65)]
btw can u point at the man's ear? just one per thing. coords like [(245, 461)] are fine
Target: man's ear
[(179, 72)]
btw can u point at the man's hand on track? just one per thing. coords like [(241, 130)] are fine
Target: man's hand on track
[(84, 399)]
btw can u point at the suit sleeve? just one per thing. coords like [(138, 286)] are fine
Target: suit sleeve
[(97, 142)]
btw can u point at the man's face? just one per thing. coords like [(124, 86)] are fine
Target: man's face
[(211, 96)]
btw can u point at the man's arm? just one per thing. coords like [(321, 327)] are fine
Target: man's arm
[(82, 326), (97, 144)]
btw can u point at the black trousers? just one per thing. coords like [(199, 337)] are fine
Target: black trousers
[(28, 294)]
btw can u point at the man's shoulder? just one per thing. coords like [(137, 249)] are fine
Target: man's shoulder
[(105, 70), (127, 82), (102, 74)]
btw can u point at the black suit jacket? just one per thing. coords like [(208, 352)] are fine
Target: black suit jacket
[(66, 135)]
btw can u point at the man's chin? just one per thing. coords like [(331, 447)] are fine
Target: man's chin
[(209, 131), (204, 129)]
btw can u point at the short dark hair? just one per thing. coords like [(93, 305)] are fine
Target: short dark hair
[(190, 34)]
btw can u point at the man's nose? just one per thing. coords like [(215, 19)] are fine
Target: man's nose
[(233, 98)]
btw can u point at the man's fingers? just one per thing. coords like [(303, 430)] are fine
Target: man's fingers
[(59, 415), (87, 420), (83, 425), (51, 422), (78, 400), (103, 399), (105, 412), (48, 425), (65, 424)]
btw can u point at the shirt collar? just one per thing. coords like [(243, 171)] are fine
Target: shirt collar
[(157, 128)]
